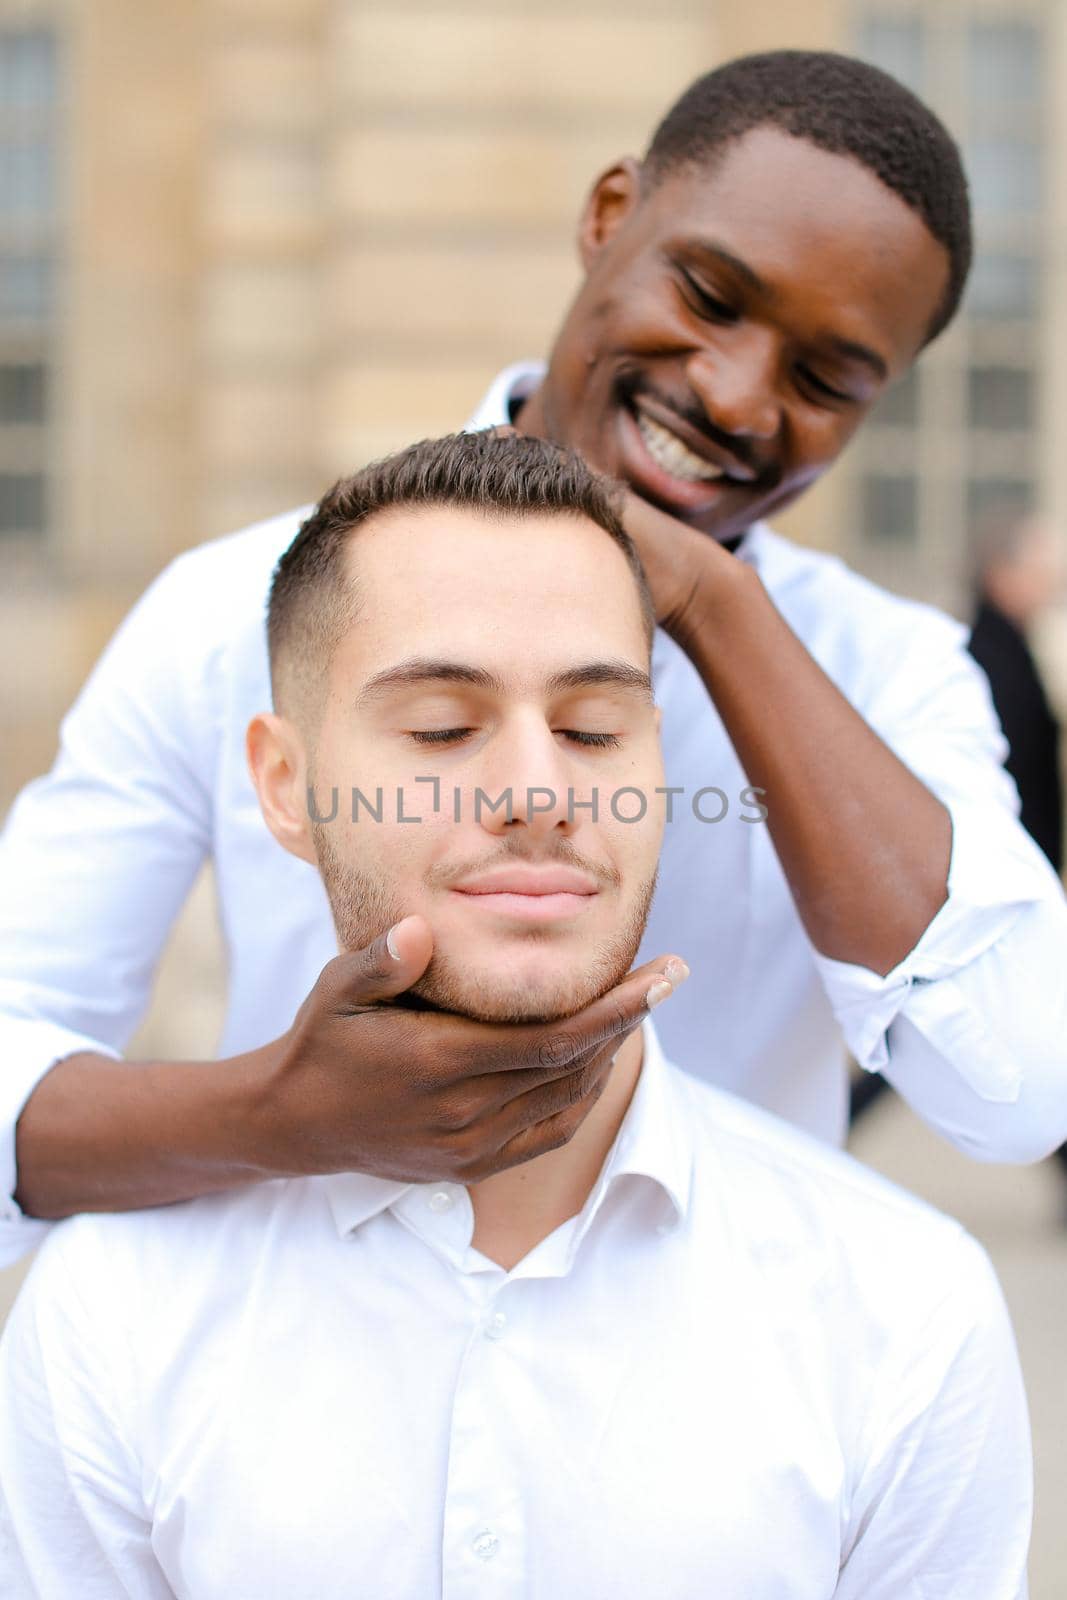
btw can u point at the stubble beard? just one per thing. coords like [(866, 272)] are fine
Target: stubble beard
[(364, 907)]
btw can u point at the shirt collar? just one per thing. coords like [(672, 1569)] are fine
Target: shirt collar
[(653, 1143)]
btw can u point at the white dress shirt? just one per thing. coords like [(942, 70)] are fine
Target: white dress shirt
[(749, 1369), (98, 856)]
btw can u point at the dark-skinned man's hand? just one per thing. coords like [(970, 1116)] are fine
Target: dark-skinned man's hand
[(682, 564), (362, 1082)]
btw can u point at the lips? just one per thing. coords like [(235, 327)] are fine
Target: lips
[(656, 482), (547, 880), (529, 907), (529, 894)]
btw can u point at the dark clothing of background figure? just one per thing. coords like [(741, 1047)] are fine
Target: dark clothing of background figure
[(1033, 736), (1032, 732)]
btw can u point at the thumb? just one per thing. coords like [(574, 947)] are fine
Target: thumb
[(389, 964)]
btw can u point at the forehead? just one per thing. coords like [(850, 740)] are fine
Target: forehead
[(817, 227), (523, 596)]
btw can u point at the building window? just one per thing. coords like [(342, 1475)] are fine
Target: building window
[(969, 416), (29, 209), (890, 507)]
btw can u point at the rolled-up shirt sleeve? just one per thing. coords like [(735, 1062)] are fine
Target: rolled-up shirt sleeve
[(98, 856), (971, 1026)]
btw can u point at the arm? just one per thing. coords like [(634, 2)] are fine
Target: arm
[(930, 913), (357, 1084), (971, 1028), (942, 1504), (97, 858), (864, 844)]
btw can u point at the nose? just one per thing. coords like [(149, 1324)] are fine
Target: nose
[(736, 385), (530, 768)]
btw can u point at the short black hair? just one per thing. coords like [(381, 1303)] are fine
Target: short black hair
[(845, 106), (313, 599)]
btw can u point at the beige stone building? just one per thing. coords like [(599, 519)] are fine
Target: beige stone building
[(246, 244)]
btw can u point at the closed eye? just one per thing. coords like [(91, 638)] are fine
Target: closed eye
[(599, 741), (708, 304), (441, 736), (821, 387)]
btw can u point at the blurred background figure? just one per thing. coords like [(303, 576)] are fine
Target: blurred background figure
[(1018, 575)]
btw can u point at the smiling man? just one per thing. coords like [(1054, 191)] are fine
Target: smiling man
[(796, 233), (690, 1352)]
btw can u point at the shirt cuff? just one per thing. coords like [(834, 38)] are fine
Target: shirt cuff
[(995, 872), (28, 1049)]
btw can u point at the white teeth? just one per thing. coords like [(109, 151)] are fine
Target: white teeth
[(668, 452)]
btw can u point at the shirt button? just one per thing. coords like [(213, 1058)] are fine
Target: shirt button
[(494, 1327), (440, 1201), (486, 1545)]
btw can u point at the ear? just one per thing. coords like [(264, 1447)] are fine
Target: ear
[(278, 765), (613, 200)]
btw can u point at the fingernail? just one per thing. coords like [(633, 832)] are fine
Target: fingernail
[(390, 945), (675, 972), (659, 991)]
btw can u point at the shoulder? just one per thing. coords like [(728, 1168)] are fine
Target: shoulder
[(204, 599), (812, 1211), (230, 577), (826, 596), (902, 663), (123, 1269)]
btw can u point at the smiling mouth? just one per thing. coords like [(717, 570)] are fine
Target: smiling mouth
[(674, 457)]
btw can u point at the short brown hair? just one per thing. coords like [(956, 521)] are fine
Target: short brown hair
[(312, 600)]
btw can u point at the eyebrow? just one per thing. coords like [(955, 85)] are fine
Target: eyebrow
[(419, 670), (726, 258), (849, 349)]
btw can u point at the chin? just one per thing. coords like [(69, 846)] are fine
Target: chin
[(505, 996)]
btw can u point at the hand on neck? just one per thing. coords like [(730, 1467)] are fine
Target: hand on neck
[(515, 1209)]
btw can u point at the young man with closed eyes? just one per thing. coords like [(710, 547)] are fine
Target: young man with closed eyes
[(689, 1352), (796, 233)]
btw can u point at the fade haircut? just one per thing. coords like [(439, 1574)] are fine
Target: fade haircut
[(314, 598), (843, 106)]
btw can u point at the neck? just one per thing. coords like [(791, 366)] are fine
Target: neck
[(515, 1209), (530, 417)]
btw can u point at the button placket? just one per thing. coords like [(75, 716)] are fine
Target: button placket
[(495, 1324), (485, 1544)]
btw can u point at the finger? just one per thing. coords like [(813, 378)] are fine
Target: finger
[(552, 1049), (534, 1093), (540, 1101), (551, 1132), (387, 966)]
